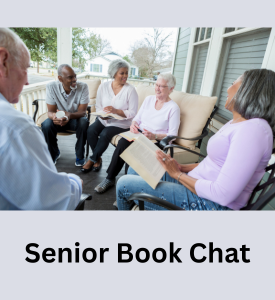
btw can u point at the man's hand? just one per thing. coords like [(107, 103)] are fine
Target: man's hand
[(64, 120), (110, 109), (134, 127)]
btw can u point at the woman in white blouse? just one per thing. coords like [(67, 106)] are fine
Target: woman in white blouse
[(117, 97)]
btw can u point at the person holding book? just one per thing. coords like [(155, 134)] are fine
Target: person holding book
[(237, 155), (157, 117), (115, 97)]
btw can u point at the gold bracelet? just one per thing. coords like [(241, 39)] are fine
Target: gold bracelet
[(179, 176)]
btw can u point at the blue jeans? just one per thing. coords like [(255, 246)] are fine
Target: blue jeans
[(168, 189)]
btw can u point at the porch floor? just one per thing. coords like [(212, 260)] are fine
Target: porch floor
[(66, 163)]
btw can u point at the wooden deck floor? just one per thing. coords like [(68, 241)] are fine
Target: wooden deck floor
[(66, 163)]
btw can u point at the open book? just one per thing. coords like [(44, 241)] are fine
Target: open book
[(130, 136), (141, 156), (103, 114)]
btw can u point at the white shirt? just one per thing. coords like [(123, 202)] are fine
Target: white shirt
[(126, 100), (28, 178), (163, 121)]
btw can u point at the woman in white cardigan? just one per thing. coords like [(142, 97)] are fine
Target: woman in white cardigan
[(117, 97)]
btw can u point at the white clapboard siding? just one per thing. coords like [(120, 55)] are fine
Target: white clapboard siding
[(199, 59), (181, 55), (240, 54)]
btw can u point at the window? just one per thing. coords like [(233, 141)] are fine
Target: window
[(96, 68), (203, 34), (133, 71), (231, 29)]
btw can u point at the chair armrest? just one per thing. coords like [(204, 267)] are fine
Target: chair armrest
[(164, 142), (142, 197), (259, 204), (35, 102), (183, 148), (81, 203)]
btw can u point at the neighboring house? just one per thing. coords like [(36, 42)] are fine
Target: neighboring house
[(100, 64), (207, 61)]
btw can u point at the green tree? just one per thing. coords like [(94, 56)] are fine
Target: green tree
[(41, 42), (127, 58)]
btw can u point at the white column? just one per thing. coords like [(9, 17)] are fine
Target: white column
[(189, 59), (269, 58), (64, 45), (212, 61)]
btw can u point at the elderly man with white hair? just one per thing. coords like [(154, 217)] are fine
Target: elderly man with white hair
[(157, 117), (28, 177)]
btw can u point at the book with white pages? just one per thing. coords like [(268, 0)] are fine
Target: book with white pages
[(103, 114), (130, 136), (141, 156)]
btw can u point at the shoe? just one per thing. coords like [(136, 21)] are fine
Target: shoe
[(96, 169), (87, 170), (105, 185), (80, 162), (57, 157)]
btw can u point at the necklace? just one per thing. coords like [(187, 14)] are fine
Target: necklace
[(235, 121)]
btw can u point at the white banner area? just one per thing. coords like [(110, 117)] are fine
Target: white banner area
[(137, 255)]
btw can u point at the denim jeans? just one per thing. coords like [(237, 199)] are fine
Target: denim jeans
[(50, 131), (168, 189)]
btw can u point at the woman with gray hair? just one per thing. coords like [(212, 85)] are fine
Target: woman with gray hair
[(157, 117), (237, 155), (117, 97)]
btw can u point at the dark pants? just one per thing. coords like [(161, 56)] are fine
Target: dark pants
[(50, 131), (99, 137), (117, 162)]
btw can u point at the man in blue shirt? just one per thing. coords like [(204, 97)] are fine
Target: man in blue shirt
[(28, 178)]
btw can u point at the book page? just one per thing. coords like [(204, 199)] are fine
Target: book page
[(107, 115), (141, 156), (130, 136)]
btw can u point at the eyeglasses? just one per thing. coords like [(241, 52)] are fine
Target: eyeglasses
[(161, 86)]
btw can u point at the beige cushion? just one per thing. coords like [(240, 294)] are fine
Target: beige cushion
[(93, 85), (185, 157), (194, 112)]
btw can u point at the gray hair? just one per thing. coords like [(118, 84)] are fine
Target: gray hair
[(61, 67), (256, 96), (115, 65), (170, 79), (13, 43)]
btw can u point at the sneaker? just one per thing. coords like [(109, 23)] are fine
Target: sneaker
[(104, 185), (57, 157), (80, 162)]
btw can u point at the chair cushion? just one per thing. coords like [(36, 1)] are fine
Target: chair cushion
[(93, 85), (194, 112), (41, 119)]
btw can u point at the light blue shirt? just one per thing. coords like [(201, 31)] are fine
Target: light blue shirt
[(28, 177)]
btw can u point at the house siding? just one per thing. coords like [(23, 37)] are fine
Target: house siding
[(181, 55)]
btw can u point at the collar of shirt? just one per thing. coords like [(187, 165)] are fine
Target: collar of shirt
[(63, 91)]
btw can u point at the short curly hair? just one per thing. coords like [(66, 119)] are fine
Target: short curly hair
[(115, 65)]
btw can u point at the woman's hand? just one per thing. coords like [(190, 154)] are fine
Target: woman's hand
[(134, 127), (170, 165), (148, 134), (110, 109)]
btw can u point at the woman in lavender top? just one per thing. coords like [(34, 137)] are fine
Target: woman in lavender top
[(237, 154), (158, 117)]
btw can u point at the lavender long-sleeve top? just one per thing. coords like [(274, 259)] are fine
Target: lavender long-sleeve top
[(236, 161)]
